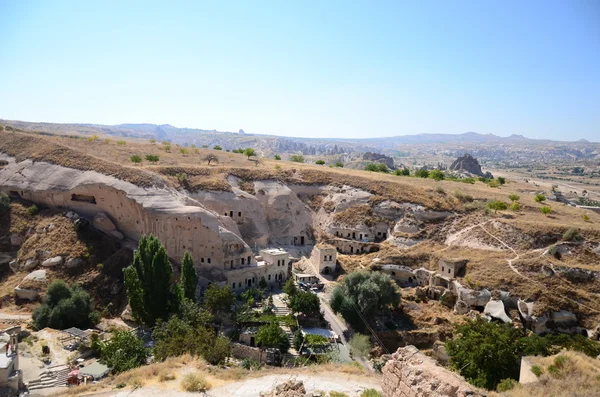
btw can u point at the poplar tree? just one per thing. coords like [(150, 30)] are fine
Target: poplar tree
[(189, 279), (149, 283)]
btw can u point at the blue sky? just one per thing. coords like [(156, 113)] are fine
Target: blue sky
[(307, 68)]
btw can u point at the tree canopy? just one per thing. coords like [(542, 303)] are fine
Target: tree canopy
[(249, 152), (497, 205), (218, 299), (271, 335), (189, 278), (65, 307), (123, 351), (422, 173), (149, 283), (211, 157), (437, 175), (365, 293), (305, 302)]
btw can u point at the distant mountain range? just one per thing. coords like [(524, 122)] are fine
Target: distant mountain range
[(268, 144)]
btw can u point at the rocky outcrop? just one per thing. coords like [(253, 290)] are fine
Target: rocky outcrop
[(103, 223), (51, 262), (410, 373), (291, 388), (379, 158), (467, 163)]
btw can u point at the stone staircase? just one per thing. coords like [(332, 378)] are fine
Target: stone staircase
[(53, 377), (281, 311)]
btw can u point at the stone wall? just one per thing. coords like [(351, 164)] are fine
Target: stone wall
[(410, 373), (241, 352)]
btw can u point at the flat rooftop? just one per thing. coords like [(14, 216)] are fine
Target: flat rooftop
[(274, 251)]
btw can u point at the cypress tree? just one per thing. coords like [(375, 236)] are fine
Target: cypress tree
[(189, 279), (149, 283)]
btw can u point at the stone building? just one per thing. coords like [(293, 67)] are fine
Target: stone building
[(350, 247), (324, 258), (11, 377), (452, 268), (273, 264), (404, 276)]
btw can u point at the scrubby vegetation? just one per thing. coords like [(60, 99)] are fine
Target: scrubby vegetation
[(64, 307), (123, 351)]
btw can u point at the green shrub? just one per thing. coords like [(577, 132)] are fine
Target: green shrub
[(497, 205), (194, 382), (514, 206), (571, 234), (65, 307), (506, 385), (320, 162), (537, 371), (371, 393), (250, 364), (153, 158), (514, 197), (135, 159), (337, 394), (183, 150), (360, 345), (538, 198), (31, 211), (182, 177), (339, 164), (437, 175), (123, 351), (422, 173), (463, 198), (217, 147), (501, 180), (4, 203), (277, 157), (546, 210), (585, 217), (297, 158), (121, 143)]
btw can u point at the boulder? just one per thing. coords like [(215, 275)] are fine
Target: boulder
[(448, 298), (38, 275), (474, 298), (72, 215), (72, 263), (116, 234), (16, 239), (57, 260), (14, 265), (461, 307), (31, 293), (439, 352), (29, 264), (26, 293), (103, 223), (495, 309)]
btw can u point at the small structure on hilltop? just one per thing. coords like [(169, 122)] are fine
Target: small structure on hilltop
[(324, 258), (11, 377), (452, 268)]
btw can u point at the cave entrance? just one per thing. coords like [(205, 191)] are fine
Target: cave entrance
[(82, 198)]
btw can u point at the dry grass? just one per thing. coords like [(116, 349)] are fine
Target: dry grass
[(577, 376), (194, 382), (358, 215)]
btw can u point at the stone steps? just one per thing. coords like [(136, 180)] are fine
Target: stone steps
[(50, 378)]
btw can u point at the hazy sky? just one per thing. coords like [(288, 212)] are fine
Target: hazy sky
[(307, 68)]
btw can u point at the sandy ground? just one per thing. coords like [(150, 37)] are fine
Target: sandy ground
[(348, 384)]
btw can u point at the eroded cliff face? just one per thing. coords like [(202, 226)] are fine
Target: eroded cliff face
[(181, 223), (411, 373)]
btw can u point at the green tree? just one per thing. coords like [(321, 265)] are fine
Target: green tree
[(290, 287), (297, 158), (65, 307), (298, 339), (178, 336), (277, 157), (320, 162), (381, 167), (189, 278), (210, 157), (546, 210), (249, 152), (485, 352), (305, 302), (366, 292), (436, 174), (402, 172), (271, 335), (339, 164), (218, 351), (149, 282), (497, 205), (422, 173), (501, 180), (217, 147), (360, 345), (262, 284), (183, 150), (153, 158), (539, 198), (123, 351), (4, 203), (371, 167), (514, 197), (218, 299), (135, 159)]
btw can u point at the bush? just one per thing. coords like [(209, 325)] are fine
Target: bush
[(440, 190), (194, 382), (514, 206), (121, 143), (546, 210), (571, 234), (337, 394), (167, 147), (370, 393), (153, 158), (182, 177), (166, 376), (305, 302), (297, 158), (463, 198), (135, 159), (123, 351), (183, 150), (537, 371), (290, 287), (506, 385), (497, 205), (152, 140), (339, 164), (217, 147), (538, 198), (585, 217), (514, 197), (277, 157), (360, 345), (422, 173), (250, 364), (271, 335), (377, 167), (65, 307), (298, 339), (437, 175), (249, 152), (4, 203), (320, 162), (501, 180)]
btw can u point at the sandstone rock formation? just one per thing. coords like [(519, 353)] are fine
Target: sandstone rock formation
[(467, 163), (410, 373), (379, 158), (291, 388)]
